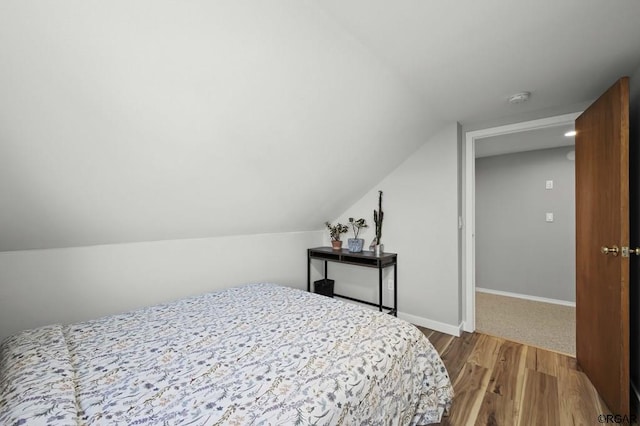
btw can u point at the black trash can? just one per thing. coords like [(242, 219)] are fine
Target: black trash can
[(323, 287)]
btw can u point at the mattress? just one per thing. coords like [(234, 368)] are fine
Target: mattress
[(260, 354)]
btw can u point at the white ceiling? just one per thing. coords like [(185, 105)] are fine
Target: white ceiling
[(143, 120), (531, 140), (137, 120), (467, 56)]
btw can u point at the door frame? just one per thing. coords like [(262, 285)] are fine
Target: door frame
[(469, 203)]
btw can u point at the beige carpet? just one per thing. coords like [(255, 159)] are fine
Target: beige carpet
[(544, 325)]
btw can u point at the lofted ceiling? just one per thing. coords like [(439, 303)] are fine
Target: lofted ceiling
[(124, 121), (143, 120)]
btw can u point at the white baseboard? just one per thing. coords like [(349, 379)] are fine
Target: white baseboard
[(526, 297), (433, 325), (413, 319)]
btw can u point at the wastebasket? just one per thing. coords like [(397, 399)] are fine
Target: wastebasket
[(323, 287)]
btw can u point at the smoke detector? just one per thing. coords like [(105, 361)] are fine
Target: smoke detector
[(519, 98)]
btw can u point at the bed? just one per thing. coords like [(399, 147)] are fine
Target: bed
[(260, 354)]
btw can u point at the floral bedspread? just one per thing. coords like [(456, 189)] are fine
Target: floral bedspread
[(260, 354)]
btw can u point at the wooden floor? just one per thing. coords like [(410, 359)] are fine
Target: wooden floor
[(499, 382)]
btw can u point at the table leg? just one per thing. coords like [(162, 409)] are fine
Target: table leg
[(395, 288), (308, 272), (380, 288)]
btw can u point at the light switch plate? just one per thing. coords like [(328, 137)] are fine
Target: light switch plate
[(549, 217), (549, 184)]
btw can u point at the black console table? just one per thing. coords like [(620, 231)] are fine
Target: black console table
[(364, 258)]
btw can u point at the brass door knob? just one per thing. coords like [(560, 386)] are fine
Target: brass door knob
[(610, 250), (635, 251)]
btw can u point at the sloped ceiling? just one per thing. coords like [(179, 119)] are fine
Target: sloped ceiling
[(146, 120)]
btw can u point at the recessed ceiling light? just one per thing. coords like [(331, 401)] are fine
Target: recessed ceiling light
[(570, 133), (519, 98)]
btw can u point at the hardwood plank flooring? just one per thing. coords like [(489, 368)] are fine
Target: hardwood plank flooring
[(541, 405), (500, 382)]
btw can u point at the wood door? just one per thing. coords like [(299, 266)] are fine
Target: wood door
[(602, 220)]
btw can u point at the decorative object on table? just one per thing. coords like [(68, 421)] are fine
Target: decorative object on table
[(376, 246), (324, 287), (334, 232), (355, 243)]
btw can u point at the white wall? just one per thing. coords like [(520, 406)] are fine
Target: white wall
[(39, 287), (420, 203)]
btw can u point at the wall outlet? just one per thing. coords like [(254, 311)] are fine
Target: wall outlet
[(390, 284), (548, 184)]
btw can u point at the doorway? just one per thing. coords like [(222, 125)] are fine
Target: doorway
[(469, 206), (525, 237)]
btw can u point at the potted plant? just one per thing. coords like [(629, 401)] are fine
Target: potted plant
[(355, 243), (334, 232)]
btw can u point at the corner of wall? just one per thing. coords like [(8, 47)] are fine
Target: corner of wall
[(422, 205), (460, 228)]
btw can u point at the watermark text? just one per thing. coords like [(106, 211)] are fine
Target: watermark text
[(617, 418)]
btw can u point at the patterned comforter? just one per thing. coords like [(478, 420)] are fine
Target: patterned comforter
[(255, 355)]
